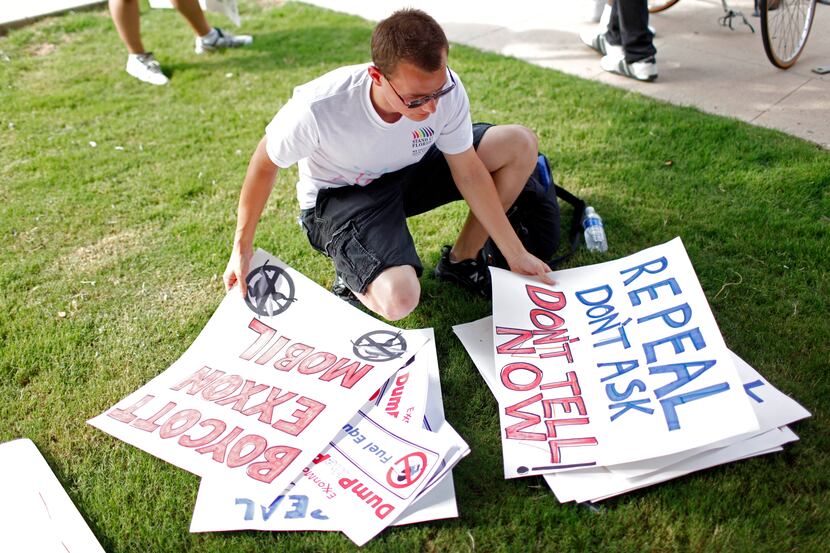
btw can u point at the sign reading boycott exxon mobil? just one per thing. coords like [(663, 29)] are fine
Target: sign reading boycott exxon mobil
[(271, 379), (617, 362)]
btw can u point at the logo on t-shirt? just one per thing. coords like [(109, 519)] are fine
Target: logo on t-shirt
[(421, 139)]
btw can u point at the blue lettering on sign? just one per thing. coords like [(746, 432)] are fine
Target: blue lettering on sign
[(677, 341), (661, 264), (602, 313), (681, 371), (632, 394), (748, 389), (634, 295), (626, 405), (666, 316), (299, 508), (614, 395), (669, 405)]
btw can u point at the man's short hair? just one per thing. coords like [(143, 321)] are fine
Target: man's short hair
[(408, 35)]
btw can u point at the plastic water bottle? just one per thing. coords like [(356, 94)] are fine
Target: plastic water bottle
[(594, 231)]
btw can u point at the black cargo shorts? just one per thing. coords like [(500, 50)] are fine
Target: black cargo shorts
[(363, 228)]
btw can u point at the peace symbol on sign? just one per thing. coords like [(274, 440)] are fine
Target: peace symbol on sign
[(270, 290), (380, 346)]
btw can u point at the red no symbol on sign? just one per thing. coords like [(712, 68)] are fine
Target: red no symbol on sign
[(407, 470)]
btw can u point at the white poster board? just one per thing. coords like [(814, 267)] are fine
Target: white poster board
[(269, 381), (773, 409), (36, 514), (318, 500), (617, 362)]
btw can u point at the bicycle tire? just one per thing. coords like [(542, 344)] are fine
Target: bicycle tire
[(655, 6), (785, 26)]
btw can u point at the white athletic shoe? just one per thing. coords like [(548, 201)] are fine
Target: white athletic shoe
[(217, 39), (643, 70), (144, 67), (598, 42)]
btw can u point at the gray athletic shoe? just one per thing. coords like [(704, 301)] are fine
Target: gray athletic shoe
[(220, 40)]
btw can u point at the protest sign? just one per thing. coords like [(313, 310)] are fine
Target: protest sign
[(404, 396), (617, 362), (36, 514), (773, 411), (362, 457), (269, 381)]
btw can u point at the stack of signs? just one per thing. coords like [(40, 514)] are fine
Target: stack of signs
[(617, 377), (271, 405)]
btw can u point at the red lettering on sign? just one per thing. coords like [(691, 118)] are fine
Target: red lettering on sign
[(218, 428), (516, 431), (303, 416), (277, 459), (235, 456), (198, 380), (266, 408), (127, 415), (351, 373), (188, 418), (265, 334), (507, 372), (218, 449), (556, 444), (149, 424)]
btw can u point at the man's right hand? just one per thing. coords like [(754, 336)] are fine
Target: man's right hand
[(259, 180), (237, 270)]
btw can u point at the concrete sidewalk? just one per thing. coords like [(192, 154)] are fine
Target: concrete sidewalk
[(701, 63)]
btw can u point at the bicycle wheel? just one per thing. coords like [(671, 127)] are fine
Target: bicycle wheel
[(655, 6), (785, 26)]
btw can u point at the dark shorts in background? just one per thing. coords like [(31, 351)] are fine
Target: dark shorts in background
[(363, 228)]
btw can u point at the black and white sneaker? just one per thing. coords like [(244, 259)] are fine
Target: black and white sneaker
[(342, 291), (643, 70), (471, 274), (598, 42)]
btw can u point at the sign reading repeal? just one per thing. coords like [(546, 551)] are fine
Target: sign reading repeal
[(617, 362)]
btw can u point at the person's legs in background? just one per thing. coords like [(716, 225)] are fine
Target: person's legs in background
[(140, 63), (627, 43)]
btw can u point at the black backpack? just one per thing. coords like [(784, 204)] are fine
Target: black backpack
[(536, 219)]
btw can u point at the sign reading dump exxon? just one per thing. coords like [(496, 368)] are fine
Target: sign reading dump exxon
[(617, 362)]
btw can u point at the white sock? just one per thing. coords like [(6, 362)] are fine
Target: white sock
[(211, 36)]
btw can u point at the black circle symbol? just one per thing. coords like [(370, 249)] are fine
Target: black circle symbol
[(380, 346), (270, 290)]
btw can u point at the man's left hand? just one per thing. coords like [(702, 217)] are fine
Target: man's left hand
[(528, 264)]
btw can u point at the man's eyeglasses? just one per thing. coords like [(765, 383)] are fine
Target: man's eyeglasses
[(412, 104)]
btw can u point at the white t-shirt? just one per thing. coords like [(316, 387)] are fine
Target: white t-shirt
[(330, 128)]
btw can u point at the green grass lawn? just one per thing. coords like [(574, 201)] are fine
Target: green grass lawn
[(112, 255)]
